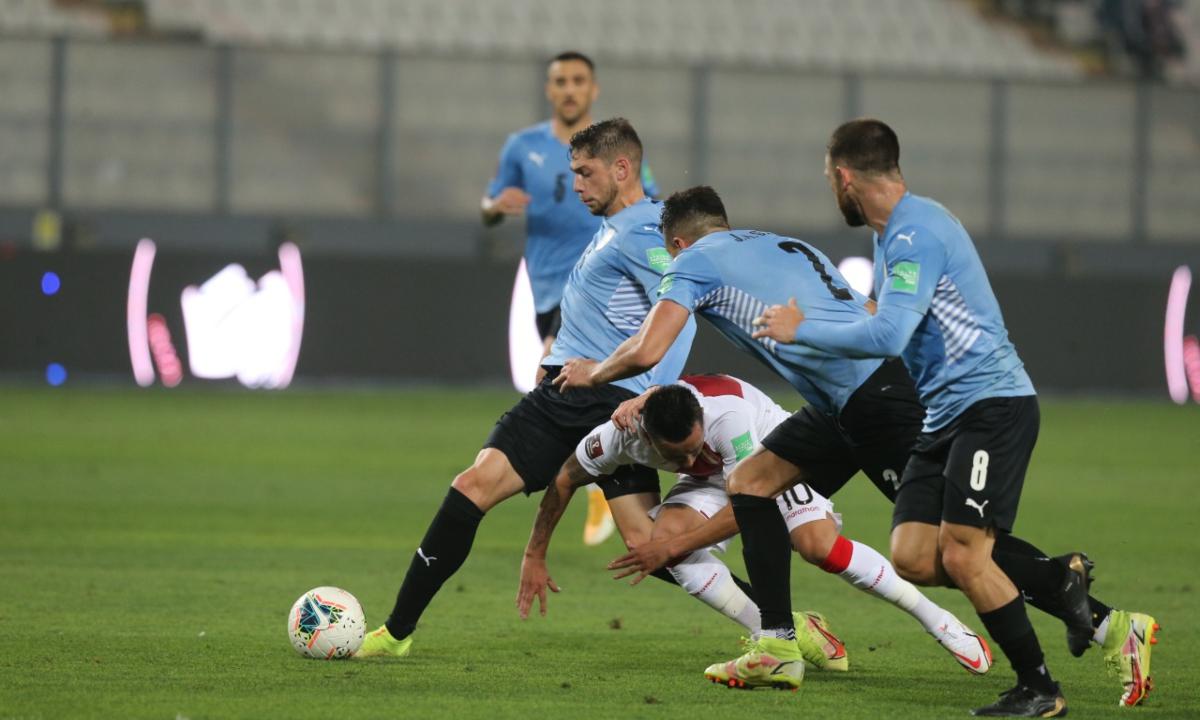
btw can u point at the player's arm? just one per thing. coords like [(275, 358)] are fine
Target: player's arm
[(667, 330), (505, 195), (535, 577), (655, 554)]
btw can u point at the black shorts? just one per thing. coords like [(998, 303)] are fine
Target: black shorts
[(971, 471), (549, 323), (541, 431), (874, 433)]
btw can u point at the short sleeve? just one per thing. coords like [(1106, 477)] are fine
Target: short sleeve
[(508, 168), (734, 433), (688, 280), (603, 450), (914, 260)]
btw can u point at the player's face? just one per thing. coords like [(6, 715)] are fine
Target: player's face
[(571, 90), (595, 182), (847, 203), (685, 452)]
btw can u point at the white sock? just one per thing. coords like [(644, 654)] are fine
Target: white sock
[(1102, 632), (707, 579), (871, 572)]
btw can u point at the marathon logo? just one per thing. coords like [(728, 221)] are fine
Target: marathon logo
[(592, 447)]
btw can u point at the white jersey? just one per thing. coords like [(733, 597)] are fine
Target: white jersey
[(737, 416)]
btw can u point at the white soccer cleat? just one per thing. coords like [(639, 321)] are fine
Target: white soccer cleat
[(968, 648)]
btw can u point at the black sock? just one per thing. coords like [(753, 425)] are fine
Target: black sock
[(445, 546), (665, 575), (768, 554), (1009, 627), (1099, 611), (745, 587), (1035, 574)]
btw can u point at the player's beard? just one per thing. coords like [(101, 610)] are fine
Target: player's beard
[(851, 209), (605, 203)]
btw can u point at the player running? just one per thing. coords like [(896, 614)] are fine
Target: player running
[(960, 489), (533, 178), (605, 300), (701, 428)]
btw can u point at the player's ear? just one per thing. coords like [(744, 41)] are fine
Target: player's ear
[(845, 176)]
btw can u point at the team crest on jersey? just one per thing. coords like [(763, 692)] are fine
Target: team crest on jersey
[(592, 447)]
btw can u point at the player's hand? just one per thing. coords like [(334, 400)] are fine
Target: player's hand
[(510, 201), (779, 322), (627, 414), (642, 560), (535, 578), (575, 373)]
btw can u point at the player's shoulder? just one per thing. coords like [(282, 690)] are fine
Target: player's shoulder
[(527, 136), (638, 227), (920, 222)]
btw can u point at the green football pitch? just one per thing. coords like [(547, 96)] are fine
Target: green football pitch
[(151, 544)]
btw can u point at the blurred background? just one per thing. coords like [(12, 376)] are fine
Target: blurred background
[(317, 165)]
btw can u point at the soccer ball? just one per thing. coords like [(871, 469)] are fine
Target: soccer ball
[(326, 623)]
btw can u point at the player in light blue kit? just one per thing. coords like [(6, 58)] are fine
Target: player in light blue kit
[(961, 487), (533, 178), (605, 300)]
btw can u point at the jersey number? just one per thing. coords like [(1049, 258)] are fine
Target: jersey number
[(792, 499), (793, 247), (560, 187), (979, 470)]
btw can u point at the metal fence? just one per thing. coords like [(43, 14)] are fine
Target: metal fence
[(184, 128)]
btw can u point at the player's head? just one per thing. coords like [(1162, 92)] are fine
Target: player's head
[(689, 215), (859, 153), (606, 158), (673, 420), (571, 86)]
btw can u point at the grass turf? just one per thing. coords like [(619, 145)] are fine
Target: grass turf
[(154, 541)]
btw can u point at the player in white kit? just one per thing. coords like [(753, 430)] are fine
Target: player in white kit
[(700, 428)]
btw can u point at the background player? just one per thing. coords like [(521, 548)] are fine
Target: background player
[(533, 178), (605, 300), (962, 485)]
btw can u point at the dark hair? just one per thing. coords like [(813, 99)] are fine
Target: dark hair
[(671, 412), (609, 139), (866, 145), (688, 212), (573, 55)]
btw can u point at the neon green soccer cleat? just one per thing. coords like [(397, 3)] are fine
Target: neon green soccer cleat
[(820, 647), (380, 643), (768, 662), (1127, 652)]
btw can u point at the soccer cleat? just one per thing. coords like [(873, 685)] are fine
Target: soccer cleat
[(599, 523), (1127, 652), (968, 647), (819, 646), (380, 643), (1074, 596), (1024, 701), (767, 662)]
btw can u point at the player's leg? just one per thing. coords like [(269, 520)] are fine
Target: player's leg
[(447, 542)]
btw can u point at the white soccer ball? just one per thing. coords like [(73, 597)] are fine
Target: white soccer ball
[(326, 623)]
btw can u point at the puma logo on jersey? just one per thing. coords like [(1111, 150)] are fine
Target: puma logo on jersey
[(428, 560), (907, 238), (537, 158), (977, 506)]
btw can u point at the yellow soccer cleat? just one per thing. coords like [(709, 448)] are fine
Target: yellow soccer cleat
[(380, 643), (768, 662), (1127, 652), (820, 647), (599, 519)]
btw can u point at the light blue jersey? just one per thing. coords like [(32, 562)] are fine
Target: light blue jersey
[(937, 311), (609, 293), (558, 225), (731, 277)]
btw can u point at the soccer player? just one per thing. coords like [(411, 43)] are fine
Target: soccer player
[(960, 489), (605, 300), (533, 179), (862, 413), (701, 428)]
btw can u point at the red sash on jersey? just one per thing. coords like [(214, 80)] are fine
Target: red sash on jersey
[(714, 385)]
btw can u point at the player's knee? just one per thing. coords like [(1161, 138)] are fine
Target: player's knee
[(477, 485), (745, 481), (915, 567), (961, 562), (814, 542)]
